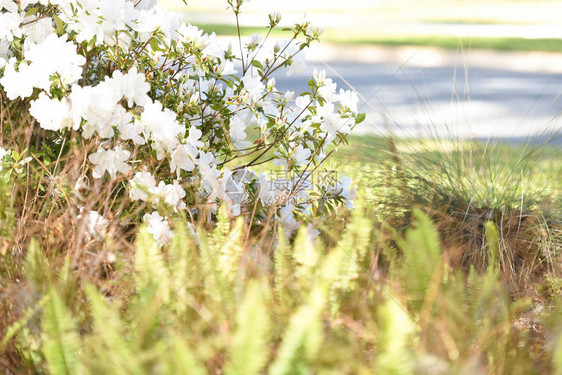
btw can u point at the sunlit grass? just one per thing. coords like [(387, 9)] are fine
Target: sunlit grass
[(363, 37)]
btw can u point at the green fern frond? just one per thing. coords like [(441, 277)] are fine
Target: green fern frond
[(422, 256), (149, 265), (305, 256), (395, 328), (181, 259), (230, 251), (61, 343), (283, 268), (303, 338), (181, 360), (300, 344), (36, 267), (249, 351), (107, 340)]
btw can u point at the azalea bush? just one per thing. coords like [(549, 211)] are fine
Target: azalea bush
[(174, 120)]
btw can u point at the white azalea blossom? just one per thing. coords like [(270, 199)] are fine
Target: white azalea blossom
[(172, 194), (348, 98), (142, 186), (182, 158), (159, 227), (98, 107), (111, 161), (301, 155), (55, 55), (238, 131), (133, 131), (343, 188), (162, 126), (18, 83), (10, 25), (131, 85), (37, 30), (51, 114)]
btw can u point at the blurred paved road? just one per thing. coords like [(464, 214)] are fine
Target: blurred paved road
[(412, 98)]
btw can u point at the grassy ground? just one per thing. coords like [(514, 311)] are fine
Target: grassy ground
[(360, 37), (522, 12), (389, 23)]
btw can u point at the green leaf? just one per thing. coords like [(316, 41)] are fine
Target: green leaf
[(31, 11), (36, 266), (422, 256), (249, 354), (257, 64), (59, 24), (360, 118), (155, 44), (61, 343)]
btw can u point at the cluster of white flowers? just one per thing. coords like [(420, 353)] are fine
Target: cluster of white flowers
[(135, 79)]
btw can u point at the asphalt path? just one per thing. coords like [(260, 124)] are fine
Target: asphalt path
[(447, 101)]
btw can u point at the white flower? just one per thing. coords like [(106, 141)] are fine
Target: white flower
[(18, 83), (328, 90), (233, 188), (37, 30), (226, 68), (192, 34), (101, 19), (131, 85), (132, 131), (237, 130), (348, 99), (159, 228), (332, 123), (52, 55), (55, 55), (158, 18), (9, 5), (194, 136), (142, 185), (51, 114), (98, 106), (302, 101), (162, 125), (112, 161), (287, 219), (253, 86), (301, 155), (172, 194), (319, 76), (182, 158), (10, 25), (145, 4), (95, 225)]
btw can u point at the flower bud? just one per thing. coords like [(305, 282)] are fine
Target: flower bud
[(274, 18), (271, 84)]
